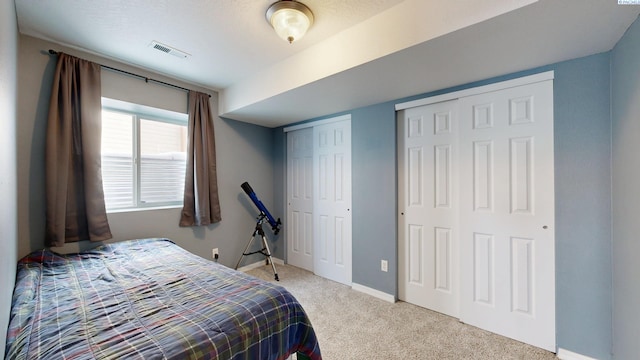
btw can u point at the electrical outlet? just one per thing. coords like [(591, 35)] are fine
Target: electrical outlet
[(384, 265), (214, 254)]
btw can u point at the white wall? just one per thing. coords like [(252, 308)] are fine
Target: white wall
[(8, 230), (243, 153), (625, 116)]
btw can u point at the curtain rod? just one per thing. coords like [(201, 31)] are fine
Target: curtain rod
[(146, 79)]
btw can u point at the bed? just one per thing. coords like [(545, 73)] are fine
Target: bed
[(150, 299)]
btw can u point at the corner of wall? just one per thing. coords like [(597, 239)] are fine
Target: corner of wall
[(625, 170), (8, 175)]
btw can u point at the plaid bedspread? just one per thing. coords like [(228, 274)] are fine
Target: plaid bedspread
[(150, 299)]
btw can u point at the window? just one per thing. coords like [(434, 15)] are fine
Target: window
[(144, 154)]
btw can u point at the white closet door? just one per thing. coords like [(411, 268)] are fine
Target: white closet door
[(428, 266), (507, 213), (332, 201), (300, 198)]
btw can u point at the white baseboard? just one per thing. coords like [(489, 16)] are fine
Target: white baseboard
[(564, 354), (373, 292), (361, 288), (258, 264)]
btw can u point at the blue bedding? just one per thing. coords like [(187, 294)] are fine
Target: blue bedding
[(150, 299)]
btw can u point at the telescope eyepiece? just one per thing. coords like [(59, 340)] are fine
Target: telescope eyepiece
[(276, 227)]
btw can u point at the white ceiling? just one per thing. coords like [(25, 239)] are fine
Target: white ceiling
[(358, 52)]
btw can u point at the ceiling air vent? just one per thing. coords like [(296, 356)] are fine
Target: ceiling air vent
[(169, 50)]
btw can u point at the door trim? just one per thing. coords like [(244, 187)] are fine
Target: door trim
[(525, 80), (317, 123)]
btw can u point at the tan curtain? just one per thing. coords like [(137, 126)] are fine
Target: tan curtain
[(201, 204), (75, 198)]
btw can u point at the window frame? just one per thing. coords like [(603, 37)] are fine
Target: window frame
[(142, 112)]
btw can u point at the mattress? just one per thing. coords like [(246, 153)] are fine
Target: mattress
[(150, 299)]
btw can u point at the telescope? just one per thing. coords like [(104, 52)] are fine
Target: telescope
[(275, 225)]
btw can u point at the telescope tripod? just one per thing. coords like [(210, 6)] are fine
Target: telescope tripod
[(265, 247)]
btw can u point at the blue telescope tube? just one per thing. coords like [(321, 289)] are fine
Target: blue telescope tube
[(275, 225)]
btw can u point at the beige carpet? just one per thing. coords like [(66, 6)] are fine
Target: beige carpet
[(353, 325)]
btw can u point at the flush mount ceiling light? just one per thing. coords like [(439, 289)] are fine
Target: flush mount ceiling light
[(290, 19)]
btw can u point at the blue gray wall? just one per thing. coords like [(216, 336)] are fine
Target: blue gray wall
[(374, 196), (8, 174), (625, 114), (583, 194), (583, 206)]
